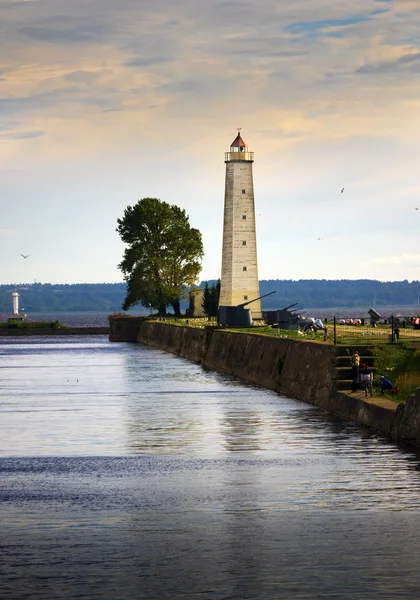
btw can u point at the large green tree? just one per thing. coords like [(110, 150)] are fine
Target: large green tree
[(163, 254)]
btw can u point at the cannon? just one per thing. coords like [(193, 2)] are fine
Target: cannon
[(284, 318), (272, 316), (374, 316), (237, 316)]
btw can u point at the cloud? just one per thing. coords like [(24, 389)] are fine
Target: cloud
[(86, 77), (66, 30), (147, 61), (409, 62), (21, 135), (71, 61), (401, 259), (111, 110), (325, 27), (102, 83)]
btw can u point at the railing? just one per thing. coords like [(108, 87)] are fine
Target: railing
[(362, 331), (239, 156)]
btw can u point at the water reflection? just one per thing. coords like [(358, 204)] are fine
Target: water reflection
[(243, 431), (152, 477)]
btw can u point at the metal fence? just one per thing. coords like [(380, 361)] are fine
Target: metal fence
[(391, 330)]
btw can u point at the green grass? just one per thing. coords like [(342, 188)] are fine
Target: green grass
[(183, 321), (400, 363), (283, 333), (408, 382), (32, 325), (366, 334)]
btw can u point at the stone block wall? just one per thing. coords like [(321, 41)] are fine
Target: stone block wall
[(124, 329)]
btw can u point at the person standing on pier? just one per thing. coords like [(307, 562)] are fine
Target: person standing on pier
[(355, 363), (366, 377)]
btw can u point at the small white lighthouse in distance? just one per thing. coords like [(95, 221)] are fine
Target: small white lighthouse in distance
[(15, 315), (239, 281), (15, 297)]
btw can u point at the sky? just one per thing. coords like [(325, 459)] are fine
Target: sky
[(104, 102)]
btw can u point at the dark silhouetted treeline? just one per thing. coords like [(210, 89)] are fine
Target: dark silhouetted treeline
[(308, 293)]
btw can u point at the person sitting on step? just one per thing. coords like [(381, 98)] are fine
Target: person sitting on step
[(386, 385)]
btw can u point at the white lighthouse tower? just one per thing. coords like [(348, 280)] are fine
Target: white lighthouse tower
[(239, 281), (15, 297), (16, 315)]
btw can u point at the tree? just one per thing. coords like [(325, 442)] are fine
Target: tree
[(211, 298), (163, 256)]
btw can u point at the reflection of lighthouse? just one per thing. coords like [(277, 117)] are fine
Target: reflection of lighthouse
[(15, 315)]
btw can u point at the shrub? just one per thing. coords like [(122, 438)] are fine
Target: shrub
[(32, 325), (408, 383)]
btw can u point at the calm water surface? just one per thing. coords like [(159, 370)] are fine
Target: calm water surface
[(126, 472)]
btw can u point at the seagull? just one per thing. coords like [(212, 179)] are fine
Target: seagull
[(342, 190), (25, 256), (417, 209), (319, 239)]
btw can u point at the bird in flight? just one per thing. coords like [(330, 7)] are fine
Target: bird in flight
[(319, 239), (25, 255), (342, 190), (417, 209)]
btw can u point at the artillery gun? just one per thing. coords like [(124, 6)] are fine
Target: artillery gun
[(284, 318), (237, 316)]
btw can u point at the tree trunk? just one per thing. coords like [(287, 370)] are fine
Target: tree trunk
[(162, 310), (177, 308)]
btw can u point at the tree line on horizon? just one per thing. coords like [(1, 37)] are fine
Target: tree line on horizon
[(161, 264), (308, 293)]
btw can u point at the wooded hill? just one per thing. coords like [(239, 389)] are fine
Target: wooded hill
[(309, 293)]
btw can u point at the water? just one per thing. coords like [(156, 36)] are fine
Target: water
[(126, 472)]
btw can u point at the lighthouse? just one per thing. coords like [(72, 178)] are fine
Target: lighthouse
[(239, 280), (16, 315)]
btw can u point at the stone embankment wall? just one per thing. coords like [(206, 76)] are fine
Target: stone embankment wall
[(291, 367), (407, 420), (298, 369), (124, 329), (188, 342)]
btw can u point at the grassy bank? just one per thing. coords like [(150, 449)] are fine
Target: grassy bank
[(32, 325), (400, 363)]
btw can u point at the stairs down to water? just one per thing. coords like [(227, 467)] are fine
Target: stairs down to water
[(342, 364)]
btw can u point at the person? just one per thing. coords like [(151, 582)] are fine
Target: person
[(356, 385), (355, 363), (366, 377), (386, 385), (397, 333)]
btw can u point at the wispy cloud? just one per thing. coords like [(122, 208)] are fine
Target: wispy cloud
[(326, 27), (144, 61), (401, 259), (408, 62), (326, 92), (21, 135)]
